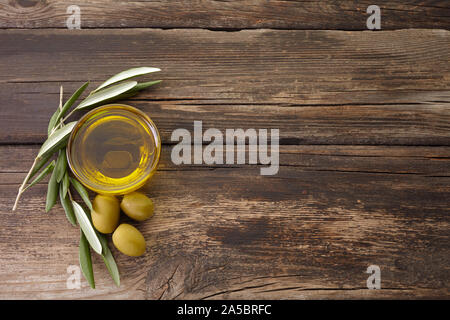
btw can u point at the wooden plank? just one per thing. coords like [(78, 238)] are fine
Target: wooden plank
[(318, 87), (344, 15), (426, 161), (226, 232)]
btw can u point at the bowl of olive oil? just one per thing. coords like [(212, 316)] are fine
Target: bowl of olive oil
[(114, 149)]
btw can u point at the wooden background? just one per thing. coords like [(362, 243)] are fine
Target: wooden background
[(364, 119)]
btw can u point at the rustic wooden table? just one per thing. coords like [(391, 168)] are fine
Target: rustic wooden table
[(364, 146)]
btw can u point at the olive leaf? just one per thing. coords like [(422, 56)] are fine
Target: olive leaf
[(86, 226), (39, 165), (127, 74), (71, 101), (52, 192), (143, 85), (67, 205), (42, 175), (130, 93), (61, 165), (105, 94), (53, 121), (140, 86), (109, 261), (57, 140), (65, 184), (82, 192), (86, 261)]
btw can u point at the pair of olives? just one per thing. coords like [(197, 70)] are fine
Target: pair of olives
[(105, 218)]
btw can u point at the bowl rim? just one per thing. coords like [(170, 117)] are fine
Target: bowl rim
[(129, 187)]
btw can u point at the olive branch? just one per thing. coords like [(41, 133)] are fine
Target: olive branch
[(118, 87)]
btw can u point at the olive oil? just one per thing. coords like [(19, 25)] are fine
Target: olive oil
[(114, 149)]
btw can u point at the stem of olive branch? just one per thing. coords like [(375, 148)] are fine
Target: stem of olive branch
[(60, 99), (66, 117), (22, 186), (70, 195), (21, 189)]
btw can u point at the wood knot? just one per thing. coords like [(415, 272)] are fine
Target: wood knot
[(28, 3)]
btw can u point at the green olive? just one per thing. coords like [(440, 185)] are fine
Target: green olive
[(129, 240), (137, 206), (105, 213)]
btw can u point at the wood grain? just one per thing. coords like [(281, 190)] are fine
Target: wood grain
[(229, 15), (320, 87), (226, 232), (364, 158)]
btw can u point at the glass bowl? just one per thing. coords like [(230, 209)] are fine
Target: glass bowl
[(114, 149)]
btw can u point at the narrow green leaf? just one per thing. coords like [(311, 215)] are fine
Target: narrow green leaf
[(106, 94), (56, 141), (71, 101), (127, 74), (135, 90), (86, 261), (52, 192), (86, 226), (82, 192), (109, 261), (65, 184), (61, 165), (42, 175), (39, 165), (130, 93), (67, 205), (143, 85), (53, 121), (122, 96)]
